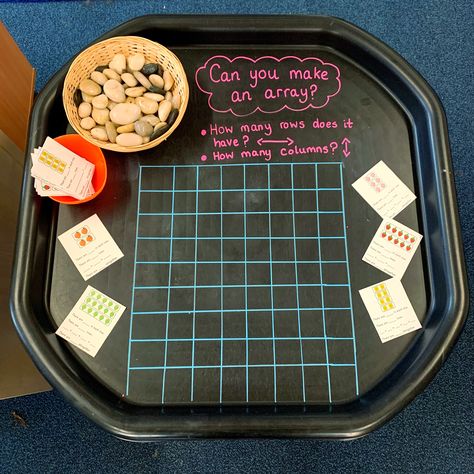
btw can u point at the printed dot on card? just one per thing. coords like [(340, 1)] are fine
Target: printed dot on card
[(377, 190), (77, 235), (82, 243), (367, 178), (84, 230)]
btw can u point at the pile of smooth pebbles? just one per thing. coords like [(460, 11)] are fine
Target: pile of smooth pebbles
[(128, 101)]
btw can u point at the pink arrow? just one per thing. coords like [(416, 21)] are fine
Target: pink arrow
[(288, 141), (346, 151)]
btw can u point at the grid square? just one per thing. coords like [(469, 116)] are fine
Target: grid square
[(179, 354), (184, 226), (232, 225), (288, 351), (150, 326), (260, 324), (151, 274), (207, 274), (314, 351), (234, 298), (235, 353), (341, 351), (184, 202), (306, 225), (280, 177), (233, 201), (261, 384), (284, 297), (307, 249), (208, 250), (154, 226), (257, 249), (209, 177), (234, 325), (181, 299), (207, 353), (256, 177), (206, 385), (207, 325), (304, 176), (331, 225), (157, 178), (150, 300), (209, 226), (260, 352), (332, 249), (233, 384), (256, 201), (283, 249), (336, 297), (283, 273), (185, 178), (338, 323), (232, 177), (257, 225), (149, 251), (329, 175), (147, 354), (180, 326), (258, 274), (156, 202), (335, 273), (286, 324), (305, 200), (233, 250), (311, 323), (208, 298), (289, 384), (177, 385), (282, 225), (258, 298), (310, 297), (308, 273), (183, 250), (209, 202), (233, 273), (329, 201), (316, 384), (281, 201)]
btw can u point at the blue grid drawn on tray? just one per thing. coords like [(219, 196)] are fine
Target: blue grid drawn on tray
[(135, 310)]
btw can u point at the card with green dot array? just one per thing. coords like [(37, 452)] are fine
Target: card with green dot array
[(90, 322)]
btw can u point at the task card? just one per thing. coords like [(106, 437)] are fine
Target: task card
[(90, 246), (390, 309), (384, 190), (392, 248), (90, 322)]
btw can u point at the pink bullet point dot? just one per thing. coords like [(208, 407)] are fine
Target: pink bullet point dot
[(203, 158), (203, 132)]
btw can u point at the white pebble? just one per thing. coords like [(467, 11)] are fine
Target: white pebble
[(87, 98), (176, 101), (100, 115), (90, 87), (99, 133), (87, 123), (126, 128), (152, 95), (118, 63), (84, 110), (151, 119), (136, 62), (114, 90), (135, 91), (164, 110), (100, 101), (123, 114), (129, 139), (111, 74), (168, 79), (147, 106), (156, 80), (98, 77), (129, 79), (168, 96), (111, 132), (141, 78)]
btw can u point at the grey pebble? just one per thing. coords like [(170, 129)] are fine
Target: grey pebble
[(143, 128), (149, 68), (172, 116)]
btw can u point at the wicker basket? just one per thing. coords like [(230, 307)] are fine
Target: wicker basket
[(101, 54)]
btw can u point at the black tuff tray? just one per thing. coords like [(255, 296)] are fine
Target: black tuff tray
[(248, 321)]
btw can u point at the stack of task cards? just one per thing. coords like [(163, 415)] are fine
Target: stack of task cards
[(60, 172)]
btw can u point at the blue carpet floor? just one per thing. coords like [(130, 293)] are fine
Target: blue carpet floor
[(435, 433)]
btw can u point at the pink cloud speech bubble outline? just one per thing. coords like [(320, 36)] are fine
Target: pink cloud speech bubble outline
[(255, 61)]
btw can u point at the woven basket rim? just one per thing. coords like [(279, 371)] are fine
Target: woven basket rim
[(136, 40)]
